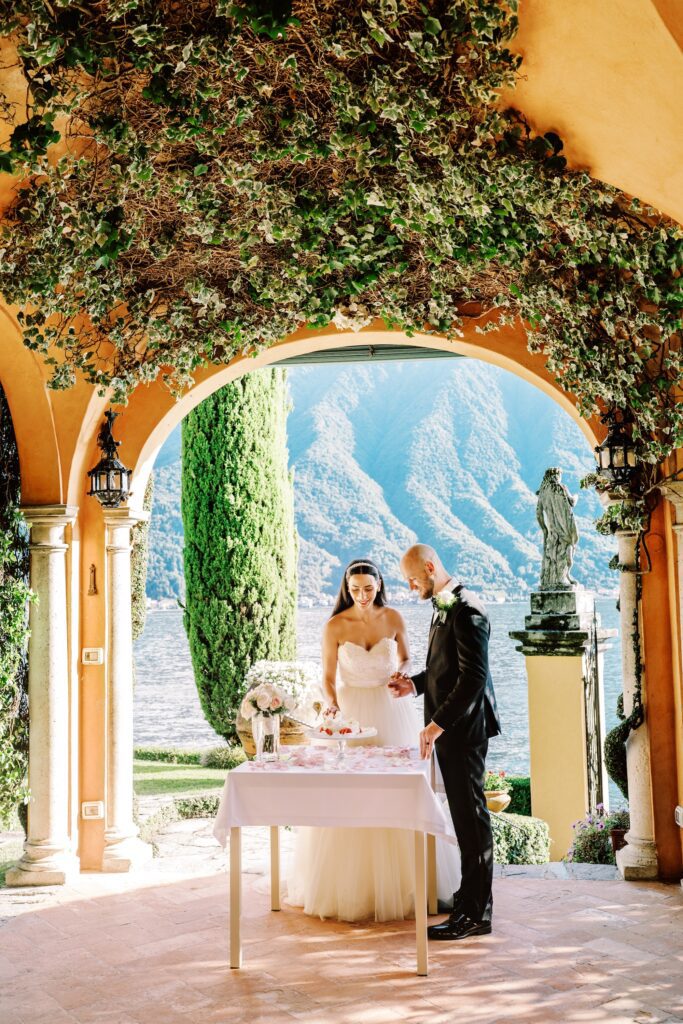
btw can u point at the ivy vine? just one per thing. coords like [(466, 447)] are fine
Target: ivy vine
[(14, 597), (233, 171)]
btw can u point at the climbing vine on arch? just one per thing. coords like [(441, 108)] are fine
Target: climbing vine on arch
[(228, 175)]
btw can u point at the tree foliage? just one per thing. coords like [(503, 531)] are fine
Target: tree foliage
[(234, 171), (240, 549), (138, 564), (14, 597)]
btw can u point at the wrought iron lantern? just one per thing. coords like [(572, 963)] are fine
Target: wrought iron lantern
[(617, 462), (109, 480)]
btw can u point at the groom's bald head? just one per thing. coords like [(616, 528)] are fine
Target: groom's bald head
[(423, 570)]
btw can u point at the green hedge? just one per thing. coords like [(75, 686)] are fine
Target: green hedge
[(181, 807), (170, 755), (521, 795), (519, 839)]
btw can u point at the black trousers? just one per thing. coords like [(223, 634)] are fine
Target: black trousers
[(463, 769)]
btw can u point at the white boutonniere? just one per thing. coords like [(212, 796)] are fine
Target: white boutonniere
[(443, 602)]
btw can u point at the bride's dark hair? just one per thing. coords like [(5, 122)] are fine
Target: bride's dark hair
[(359, 567)]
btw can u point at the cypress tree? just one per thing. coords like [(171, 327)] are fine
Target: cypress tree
[(240, 541)]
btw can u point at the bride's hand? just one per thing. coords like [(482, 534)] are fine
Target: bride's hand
[(401, 685)]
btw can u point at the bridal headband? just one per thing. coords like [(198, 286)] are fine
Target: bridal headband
[(365, 564)]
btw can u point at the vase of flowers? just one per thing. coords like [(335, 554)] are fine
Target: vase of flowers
[(297, 684), (263, 706), (497, 791)]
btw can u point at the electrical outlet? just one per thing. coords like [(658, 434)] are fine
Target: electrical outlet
[(678, 815)]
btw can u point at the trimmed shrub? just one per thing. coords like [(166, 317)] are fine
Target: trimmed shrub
[(223, 757), (169, 755), (521, 795), (518, 839), (615, 749), (240, 540)]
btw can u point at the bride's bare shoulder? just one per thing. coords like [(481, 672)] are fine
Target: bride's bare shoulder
[(334, 625)]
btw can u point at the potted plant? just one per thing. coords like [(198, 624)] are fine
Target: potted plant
[(497, 791), (299, 684), (618, 823), (593, 843)]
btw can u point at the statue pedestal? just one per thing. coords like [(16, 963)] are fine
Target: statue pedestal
[(558, 643)]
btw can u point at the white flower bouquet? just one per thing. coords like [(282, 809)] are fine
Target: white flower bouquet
[(282, 688)]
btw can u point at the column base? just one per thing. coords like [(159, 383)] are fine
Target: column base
[(637, 861), (126, 855), (58, 869)]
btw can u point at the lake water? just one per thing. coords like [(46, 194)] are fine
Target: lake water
[(167, 710)]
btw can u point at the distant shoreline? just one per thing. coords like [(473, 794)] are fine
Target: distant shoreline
[(171, 605)]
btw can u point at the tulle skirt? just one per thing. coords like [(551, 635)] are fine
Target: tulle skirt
[(353, 874)]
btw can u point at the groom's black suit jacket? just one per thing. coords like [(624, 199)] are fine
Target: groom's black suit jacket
[(456, 683)]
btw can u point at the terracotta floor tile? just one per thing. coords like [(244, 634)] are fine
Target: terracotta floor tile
[(128, 951)]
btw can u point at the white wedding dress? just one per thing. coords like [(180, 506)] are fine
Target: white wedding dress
[(357, 873)]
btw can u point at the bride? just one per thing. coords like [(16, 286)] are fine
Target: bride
[(357, 873)]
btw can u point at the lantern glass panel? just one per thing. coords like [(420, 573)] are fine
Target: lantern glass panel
[(618, 460)]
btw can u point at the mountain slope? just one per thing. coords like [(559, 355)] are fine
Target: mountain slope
[(450, 452)]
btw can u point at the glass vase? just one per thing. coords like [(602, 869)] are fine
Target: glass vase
[(266, 732)]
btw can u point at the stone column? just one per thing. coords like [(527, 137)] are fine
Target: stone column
[(48, 857), (638, 859), (123, 850), (555, 642)]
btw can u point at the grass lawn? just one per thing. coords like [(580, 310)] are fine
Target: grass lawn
[(154, 777)]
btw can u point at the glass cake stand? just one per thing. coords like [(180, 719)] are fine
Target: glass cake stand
[(341, 741)]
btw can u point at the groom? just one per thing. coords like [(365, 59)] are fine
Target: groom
[(460, 717)]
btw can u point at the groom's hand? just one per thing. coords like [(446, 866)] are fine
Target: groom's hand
[(401, 685), (427, 737)]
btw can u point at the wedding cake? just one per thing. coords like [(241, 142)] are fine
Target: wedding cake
[(334, 724)]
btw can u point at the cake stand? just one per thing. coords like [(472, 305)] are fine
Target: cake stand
[(341, 741)]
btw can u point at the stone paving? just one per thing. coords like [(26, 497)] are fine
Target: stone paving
[(151, 948)]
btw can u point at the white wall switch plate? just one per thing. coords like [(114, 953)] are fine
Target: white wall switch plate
[(92, 656), (678, 814), (92, 809)]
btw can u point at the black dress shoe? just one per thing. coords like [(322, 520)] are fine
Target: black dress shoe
[(458, 927)]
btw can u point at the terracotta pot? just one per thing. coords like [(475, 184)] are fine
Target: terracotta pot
[(497, 799), (617, 838)]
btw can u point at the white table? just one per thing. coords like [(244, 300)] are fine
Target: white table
[(377, 787)]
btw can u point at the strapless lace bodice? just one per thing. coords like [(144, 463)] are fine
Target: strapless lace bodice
[(366, 669)]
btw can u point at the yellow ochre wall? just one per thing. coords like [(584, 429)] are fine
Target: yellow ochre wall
[(557, 740)]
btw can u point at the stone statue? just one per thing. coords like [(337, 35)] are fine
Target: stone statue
[(555, 516)]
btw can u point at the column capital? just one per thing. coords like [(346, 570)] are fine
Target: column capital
[(672, 490), (124, 516), (49, 515)]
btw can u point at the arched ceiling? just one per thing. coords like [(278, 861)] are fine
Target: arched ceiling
[(607, 76)]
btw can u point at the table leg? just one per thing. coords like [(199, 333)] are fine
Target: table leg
[(235, 897), (421, 903), (274, 867), (431, 875)]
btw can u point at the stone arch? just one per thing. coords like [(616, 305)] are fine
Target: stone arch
[(30, 404), (152, 412)]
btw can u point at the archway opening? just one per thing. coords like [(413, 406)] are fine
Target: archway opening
[(390, 449)]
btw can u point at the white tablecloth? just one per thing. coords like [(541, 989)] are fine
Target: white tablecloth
[(381, 787)]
